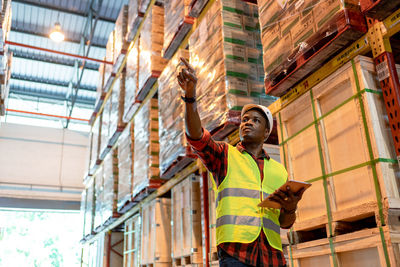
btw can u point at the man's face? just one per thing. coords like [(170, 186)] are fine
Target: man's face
[(253, 127)]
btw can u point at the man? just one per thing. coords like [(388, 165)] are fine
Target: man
[(243, 176)]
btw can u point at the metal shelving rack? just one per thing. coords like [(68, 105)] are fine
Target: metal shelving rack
[(375, 41)]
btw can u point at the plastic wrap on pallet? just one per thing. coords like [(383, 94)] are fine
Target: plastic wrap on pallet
[(146, 151), (117, 104), (100, 81), (151, 43), (105, 124), (83, 211), (89, 153), (99, 197), (125, 165), (291, 29), (175, 12), (224, 54), (121, 28), (110, 186), (131, 83), (90, 207), (6, 14), (172, 127), (133, 9), (96, 139), (110, 48)]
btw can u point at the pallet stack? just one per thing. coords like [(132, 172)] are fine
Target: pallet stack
[(146, 177), (110, 188), (126, 144), (156, 233), (341, 124), (151, 64), (96, 139), (298, 36), (175, 153), (186, 241), (99, 200), (131, 83), (121, 45), (89, 208), (223, 51), (117, 108)]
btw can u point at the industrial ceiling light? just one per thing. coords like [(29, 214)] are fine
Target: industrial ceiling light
[(56, 34)]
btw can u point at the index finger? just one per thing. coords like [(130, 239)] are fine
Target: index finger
[(187, 64)]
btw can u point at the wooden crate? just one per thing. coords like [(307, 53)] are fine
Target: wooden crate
[(132, 242), (343, 144), (186, 223), (361, 248), (156, 233)]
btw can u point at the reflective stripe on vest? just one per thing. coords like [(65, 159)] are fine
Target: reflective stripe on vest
[(237, 192), (239, 220), (267, 223)]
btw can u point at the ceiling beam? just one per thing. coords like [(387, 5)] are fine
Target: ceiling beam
[(59, 60), (79, 13), (40, 94), (19, 77), (45, 35)]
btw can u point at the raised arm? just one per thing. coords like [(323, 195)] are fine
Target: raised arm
[(187, 80)]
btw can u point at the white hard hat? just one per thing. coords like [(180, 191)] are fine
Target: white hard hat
[(264, 110)]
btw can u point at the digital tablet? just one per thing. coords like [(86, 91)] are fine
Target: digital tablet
[(295, 186)]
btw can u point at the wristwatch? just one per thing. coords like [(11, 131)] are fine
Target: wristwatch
[(188, 99)]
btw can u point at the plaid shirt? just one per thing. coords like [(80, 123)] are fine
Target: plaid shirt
[(214, 156)]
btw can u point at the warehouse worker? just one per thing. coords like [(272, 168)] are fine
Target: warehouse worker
[(246, 234)]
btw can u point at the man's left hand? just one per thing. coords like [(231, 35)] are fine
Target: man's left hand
[(287, 199)]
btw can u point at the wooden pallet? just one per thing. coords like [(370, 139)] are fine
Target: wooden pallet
[(146, 190), (144, 91), (231, 124), (157, 264), (181, 161), (180, 34), (196, 6), (350, 26), (126, 204), (360, 248), (379, 9), (193, 260)]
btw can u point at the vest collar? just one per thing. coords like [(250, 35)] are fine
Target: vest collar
[(241, 148)]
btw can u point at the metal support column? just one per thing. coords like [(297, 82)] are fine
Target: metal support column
[(387, 75)]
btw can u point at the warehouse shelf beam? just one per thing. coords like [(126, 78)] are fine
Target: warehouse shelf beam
[(62, 10), (20, 77), (50, 59), (46, 115)]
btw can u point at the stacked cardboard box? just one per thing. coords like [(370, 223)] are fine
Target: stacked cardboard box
[(151, 63), (126, 144), (90, 207), (295, 29), (172, 126), (110, 187), (110, 49), (121, 28), (156, 233), (105, 125), (147, 147), (100, 83), (174, 16), (99, 198), (117, 104), (131, 83), (224, 52), (96, 139)]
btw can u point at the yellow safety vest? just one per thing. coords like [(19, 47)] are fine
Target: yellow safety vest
[(239, 219)]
